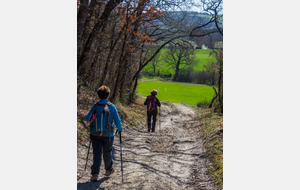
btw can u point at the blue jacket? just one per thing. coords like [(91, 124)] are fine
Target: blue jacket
[(114, 117)]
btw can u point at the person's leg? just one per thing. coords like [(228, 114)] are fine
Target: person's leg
[(154, 120), (149, 120), (97, 153), (107, 152)]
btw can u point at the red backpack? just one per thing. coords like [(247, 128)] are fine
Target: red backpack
[(151, 100)]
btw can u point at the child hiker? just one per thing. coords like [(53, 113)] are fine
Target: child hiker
[(102, 115), (152, 102)]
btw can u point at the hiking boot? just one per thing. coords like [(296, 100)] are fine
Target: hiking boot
[(108, 173), (94, 178)]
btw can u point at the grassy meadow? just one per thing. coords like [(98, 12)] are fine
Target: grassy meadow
[(189, 94), (202, 56)]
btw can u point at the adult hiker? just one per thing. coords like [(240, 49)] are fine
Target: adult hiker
[(152, 102), (103, 114)]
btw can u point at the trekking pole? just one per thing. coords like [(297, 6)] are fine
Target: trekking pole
[(159, 121), (87, 157), (91, 126), (121, 155)]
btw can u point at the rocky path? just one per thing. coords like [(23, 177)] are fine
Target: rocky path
[(170, 158)]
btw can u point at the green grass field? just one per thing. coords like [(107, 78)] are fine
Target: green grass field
[(202, 56), (189, 94)]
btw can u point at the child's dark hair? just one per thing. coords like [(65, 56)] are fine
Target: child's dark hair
[(103, 92), (154, 92)]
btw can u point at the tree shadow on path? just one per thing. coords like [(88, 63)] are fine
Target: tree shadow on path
[(92, 185)]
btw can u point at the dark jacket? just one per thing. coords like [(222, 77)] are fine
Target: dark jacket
[(157, 103)]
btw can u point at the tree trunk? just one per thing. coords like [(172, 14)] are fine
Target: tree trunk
[(177, 69), (212, 101), (130, 99), (113, 45), (114, 91), (221, 86), (127, 51), (81, 17), (82, 37), (123, 78), (99, 27), (116, 86)]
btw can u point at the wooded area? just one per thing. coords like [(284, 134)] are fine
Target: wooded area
[(116, 39)]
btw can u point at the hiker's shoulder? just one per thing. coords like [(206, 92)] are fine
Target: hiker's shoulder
[(94, 104), (154, 97), (111, 105), (102, 103)]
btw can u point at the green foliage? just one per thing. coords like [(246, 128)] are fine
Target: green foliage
[(204, 103), (189, 94)]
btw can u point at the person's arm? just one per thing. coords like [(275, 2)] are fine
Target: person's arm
[(88, 117), (116, 118), (158, 102), (145, 103)]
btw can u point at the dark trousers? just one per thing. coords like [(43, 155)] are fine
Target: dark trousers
[(102, 144), (149, 115)]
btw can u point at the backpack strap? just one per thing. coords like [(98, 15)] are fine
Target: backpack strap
[(101, 105), (108, 111), (94, 111), (98, 105)]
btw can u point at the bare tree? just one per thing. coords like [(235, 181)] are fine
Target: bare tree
[(180, 55)]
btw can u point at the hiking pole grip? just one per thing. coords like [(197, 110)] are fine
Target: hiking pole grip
[(121, 154), (87, 157)]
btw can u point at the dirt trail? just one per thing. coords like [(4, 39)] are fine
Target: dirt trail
[(170, 159)]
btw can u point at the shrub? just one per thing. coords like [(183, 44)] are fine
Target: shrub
[(203, 103)]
